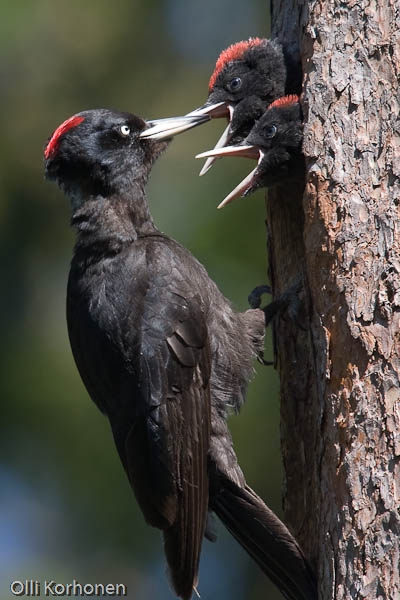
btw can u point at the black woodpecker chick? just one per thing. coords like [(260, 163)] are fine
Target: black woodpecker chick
[(248, 76), (160, 351), (275, 141)]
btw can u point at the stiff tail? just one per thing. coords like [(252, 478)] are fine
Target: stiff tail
[(183, 561), (184, 538), (266, 539)]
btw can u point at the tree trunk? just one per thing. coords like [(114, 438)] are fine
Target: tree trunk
[(340, 388)]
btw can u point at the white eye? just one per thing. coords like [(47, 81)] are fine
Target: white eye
[(125, 130)]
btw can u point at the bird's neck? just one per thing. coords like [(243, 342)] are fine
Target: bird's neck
[(112, 222)]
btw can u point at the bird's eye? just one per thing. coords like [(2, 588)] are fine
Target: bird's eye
[(269, 132), (125, 130), (235, 84)]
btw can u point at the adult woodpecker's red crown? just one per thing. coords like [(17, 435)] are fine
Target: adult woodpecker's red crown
[(61, 129), (233, 52)]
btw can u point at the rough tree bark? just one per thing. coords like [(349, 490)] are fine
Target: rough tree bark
[(340, 378)]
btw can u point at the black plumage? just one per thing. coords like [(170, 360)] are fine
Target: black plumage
[(252, 68), (275, 140), (161, 352), (247, 78)]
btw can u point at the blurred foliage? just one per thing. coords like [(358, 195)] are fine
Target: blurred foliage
[(66, 510)]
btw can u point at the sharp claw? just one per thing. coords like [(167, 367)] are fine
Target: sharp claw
[(254, 298)]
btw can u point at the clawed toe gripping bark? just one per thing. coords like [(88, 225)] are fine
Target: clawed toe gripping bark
[(287, 304)]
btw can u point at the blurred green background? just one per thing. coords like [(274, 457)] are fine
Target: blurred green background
[(66, 510)]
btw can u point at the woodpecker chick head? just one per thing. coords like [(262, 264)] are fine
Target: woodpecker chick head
[(254, 67), (280, 127), (275, 141), (97, 153), (247, 74)]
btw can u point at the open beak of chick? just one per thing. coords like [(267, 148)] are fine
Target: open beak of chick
[(244, 150), (215, 110)]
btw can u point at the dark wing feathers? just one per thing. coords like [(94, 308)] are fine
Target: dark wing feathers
[(186, 355), (183, 540), (193, 333), (142, 349), (176, 385)]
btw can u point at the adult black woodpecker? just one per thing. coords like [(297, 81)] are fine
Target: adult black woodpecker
[(275, 141), (161, 352), (248, 76)]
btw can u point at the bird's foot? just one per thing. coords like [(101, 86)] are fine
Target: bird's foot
[(288, 305), (254, 298)]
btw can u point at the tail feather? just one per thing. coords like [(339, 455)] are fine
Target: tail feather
[(184, 538), (181, 562), (267, 540)]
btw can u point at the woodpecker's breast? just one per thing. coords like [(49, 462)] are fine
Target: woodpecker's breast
[(103, 315)]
